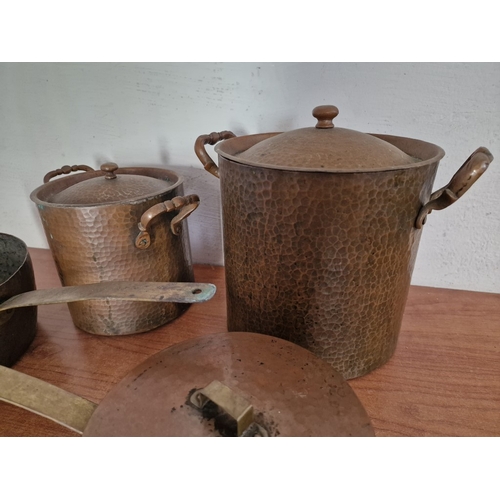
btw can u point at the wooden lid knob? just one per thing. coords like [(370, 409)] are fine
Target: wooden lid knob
[(109, 168), (325, 114)]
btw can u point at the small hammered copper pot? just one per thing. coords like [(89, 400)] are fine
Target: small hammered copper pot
[(117, 224), (321, 228), (229, 384)]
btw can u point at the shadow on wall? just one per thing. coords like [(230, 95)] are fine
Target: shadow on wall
[(205, 229)]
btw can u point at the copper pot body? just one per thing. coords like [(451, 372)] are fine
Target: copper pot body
[(325, 259), (91, 244), (17, 327)]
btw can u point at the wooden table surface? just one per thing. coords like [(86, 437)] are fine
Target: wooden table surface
[(444, 379)]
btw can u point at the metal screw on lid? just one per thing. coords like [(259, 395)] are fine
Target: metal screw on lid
[(109, 168), (325, 114)]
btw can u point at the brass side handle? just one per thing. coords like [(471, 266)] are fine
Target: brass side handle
[(211, 139), (235, 405), (464, 178), (184, 204), (45, 399), (66, 169)]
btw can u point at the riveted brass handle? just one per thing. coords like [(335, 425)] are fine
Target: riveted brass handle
[(185, 204), (67, 169), (211, 139), (45, 399), (235, 405), (136, 291), (467, 174)]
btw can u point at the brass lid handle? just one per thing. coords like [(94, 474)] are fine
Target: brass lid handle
[(236, 406)]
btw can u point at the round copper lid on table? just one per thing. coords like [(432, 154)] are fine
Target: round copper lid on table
[(323, 148), (231, 384)]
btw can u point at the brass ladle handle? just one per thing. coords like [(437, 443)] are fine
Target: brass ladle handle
[(211, 139), (464, 178), (137, 291)]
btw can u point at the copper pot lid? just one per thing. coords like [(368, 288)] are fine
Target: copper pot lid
[(323, 148), (108, 185), (231, 384)]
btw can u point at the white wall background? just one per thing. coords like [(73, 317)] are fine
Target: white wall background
[(151, 114)]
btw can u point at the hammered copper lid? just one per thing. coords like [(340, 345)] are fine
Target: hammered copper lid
[(109, 185), (228, 384), (324, 147)]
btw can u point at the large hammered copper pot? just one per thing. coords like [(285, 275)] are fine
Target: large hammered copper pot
[(321, 228), (117, 224)]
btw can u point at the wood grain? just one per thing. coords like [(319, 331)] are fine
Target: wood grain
[(444, 379)]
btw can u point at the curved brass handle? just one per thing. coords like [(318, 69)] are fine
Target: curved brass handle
[(45, 399), (201, 153), (186, 205), (67, 169), (467, 174)]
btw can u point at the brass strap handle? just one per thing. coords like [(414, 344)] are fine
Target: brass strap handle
[(136, 291), (185, 204), (201, 153), (467, 174), (67, 169), (45, 399), (236, 406)]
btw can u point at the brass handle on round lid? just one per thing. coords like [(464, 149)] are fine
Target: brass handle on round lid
[(325, 115), (236, 406)]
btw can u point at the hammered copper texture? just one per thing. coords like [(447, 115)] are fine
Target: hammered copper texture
[(17, 328), (323, 259), (94, 244), (293, 392)]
